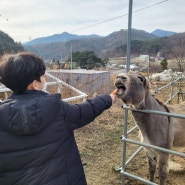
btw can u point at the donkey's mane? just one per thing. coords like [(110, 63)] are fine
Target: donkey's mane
[(162, 131), (164, 105), (161, 103)]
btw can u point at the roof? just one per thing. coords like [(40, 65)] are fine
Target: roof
[(79, 71)]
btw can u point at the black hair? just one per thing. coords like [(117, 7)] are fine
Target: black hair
[(19, 70)]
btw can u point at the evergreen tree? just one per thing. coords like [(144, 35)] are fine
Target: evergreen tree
[(86, 59), (7, 44), (164, 64)]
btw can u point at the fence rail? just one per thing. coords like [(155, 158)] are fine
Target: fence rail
[(60, 84), (140, 144)]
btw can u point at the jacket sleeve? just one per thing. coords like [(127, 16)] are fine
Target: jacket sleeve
[(79, 115)]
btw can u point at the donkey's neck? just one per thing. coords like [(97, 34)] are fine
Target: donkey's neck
[(151, 102), (150, 124), (148, 102)]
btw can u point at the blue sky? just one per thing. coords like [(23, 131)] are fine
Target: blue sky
[(24, 20)]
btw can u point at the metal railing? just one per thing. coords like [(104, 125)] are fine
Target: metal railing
[(171, 85), (60, 84), (141, 145)]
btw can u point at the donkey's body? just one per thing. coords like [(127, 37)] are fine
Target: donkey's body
[(162, 131)]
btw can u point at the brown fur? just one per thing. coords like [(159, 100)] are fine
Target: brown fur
[(159, 130)]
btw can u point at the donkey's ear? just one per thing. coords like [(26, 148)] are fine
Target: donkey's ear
[(143, 79), (147, 83)]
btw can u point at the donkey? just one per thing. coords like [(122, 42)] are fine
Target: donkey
[(163, 131)]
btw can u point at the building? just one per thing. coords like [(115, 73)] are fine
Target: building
[(88, 81)]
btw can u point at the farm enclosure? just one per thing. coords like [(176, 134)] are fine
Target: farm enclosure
[(101, 148), (88, 81)]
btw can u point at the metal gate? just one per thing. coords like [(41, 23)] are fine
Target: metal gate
[(141, 145)]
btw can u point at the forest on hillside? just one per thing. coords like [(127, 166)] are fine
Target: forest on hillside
[(7, 44), (113, 45)]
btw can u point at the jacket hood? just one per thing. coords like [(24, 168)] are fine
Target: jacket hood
[(28, 113)]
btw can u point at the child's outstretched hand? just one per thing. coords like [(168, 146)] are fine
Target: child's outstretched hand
[(113, 95)]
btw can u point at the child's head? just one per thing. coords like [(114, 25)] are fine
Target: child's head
[(17, 71)]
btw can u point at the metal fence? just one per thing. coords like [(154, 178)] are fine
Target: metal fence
[(141, 145), (59, 86)]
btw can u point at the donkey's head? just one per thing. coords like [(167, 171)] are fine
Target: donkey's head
[(131, 88)]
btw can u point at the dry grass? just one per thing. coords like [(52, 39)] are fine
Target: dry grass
[(101, 148)]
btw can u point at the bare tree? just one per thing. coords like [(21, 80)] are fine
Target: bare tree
[(176, 49)]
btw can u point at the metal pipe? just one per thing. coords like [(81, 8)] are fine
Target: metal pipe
[(154, 112), (129, 35), (138, 178), (159, 89), (64, 83), (127, 69), (132, 129), (172, 96), (124, 145), (133, 155), (154, 147), (125, 140)]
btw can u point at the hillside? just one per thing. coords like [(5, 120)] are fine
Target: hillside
[(104, 47), (7, 44), (112, 45), (162, 33), (63, 37)]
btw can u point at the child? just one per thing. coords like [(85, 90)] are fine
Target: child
[(36, 128)]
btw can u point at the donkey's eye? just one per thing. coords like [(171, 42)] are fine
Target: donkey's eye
[(140, 78)]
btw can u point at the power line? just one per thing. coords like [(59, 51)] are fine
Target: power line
[(98, 23), (111, 19), (9, 20), (4, 17)]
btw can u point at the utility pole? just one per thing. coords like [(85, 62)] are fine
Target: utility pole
[(71, 57), (126, 111), (129, 36)]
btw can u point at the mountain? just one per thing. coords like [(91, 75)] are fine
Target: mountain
[(8, 45), (63, 37), (162, 33), (108, 46)]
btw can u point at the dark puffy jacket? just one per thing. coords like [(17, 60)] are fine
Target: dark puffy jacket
[(37, 144)]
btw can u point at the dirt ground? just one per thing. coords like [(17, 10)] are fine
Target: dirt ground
[(101, 150)]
